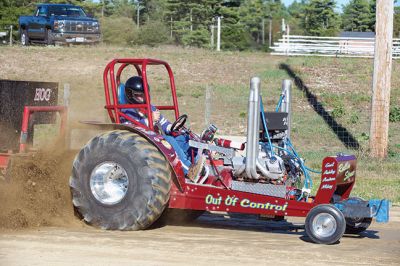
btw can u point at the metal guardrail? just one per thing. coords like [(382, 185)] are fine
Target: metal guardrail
[(292, 45)]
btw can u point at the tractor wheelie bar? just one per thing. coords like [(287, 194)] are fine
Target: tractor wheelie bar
[(24, 104), (130, 176)]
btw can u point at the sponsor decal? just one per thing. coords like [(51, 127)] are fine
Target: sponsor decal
[(245, 203), (285, 121), (42, 94), (329, 172), (348, 175), (328, 179), (343, 167), (327, 186), (166, 144), (329, 165), (157, 139)]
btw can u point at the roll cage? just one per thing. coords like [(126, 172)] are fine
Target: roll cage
[(112, 83)]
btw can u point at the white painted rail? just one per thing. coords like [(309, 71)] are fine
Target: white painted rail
[(292, 45)]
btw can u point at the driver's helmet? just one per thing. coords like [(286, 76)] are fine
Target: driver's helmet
[(134, 91)]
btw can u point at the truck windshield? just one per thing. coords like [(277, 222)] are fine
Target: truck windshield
[(70, 11)]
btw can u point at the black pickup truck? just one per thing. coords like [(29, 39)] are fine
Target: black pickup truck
[(58, 23)]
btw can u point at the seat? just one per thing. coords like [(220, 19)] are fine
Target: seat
[(121, 94)]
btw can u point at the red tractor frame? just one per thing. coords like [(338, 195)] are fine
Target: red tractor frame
[(329, 213)]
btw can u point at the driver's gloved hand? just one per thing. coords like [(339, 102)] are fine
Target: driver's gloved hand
[(208, 133), (176, 133)]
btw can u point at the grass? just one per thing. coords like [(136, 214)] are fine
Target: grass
[(342, 86)]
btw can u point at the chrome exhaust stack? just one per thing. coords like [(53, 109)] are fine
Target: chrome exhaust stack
[(253, 125), (253, 133)]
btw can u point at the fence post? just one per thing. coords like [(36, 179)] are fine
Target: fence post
[(11, 32), (207, 105), (379, 130), (218, 33), (66, 101)]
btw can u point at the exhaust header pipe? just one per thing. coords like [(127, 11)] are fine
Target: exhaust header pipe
[(253, 132), (253, 125)]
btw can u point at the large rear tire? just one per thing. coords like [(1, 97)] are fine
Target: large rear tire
[(325, 224), (120, 181)]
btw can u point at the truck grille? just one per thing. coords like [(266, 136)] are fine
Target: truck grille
[(80, 26)]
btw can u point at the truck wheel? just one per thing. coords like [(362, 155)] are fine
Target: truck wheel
[(357, 225), (325, 224), (49, 38), (120, 181), (24, 38)]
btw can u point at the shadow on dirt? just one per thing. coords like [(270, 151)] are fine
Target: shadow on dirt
[(246, 222), (341, 132)]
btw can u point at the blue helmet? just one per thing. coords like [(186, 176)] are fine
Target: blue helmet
[(134, 90)]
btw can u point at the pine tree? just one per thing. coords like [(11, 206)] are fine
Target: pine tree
[(320, 18), (357, 16)]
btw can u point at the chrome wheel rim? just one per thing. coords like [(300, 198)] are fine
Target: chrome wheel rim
[(109, 183), (324, 225)]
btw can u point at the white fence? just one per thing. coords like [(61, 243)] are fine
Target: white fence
[(329, 46)]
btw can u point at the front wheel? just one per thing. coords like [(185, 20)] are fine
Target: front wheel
[(325, 224), (24, 38), (49, 37), (120, 181)]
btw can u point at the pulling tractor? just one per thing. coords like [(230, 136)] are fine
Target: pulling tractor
[(129, 176)]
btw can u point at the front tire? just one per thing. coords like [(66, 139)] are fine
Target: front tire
[(325, 224), (120, 181), (24, 38), (49, 37)]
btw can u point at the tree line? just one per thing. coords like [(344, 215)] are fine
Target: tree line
[(246, 24)]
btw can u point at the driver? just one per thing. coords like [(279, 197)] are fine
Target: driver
[(134, 94)]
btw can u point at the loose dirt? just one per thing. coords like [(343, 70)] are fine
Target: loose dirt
[(36, 192), (211, 240)]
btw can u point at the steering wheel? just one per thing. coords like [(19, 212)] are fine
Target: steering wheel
[(179, 123)]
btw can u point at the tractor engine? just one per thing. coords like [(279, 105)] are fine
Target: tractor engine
[(261, 163)]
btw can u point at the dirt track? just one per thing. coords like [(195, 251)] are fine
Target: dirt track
[(212, 240)]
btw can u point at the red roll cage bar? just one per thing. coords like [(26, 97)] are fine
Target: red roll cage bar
[(114, 107)]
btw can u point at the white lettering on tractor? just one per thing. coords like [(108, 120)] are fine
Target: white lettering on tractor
[(329, 172), (328, 179), (329, 165), (42, 95), (326, 186), (343, 167)]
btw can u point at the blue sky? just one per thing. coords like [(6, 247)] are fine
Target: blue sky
[(338, 2)]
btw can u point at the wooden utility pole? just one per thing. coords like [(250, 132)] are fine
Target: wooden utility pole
[(378, 142)]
